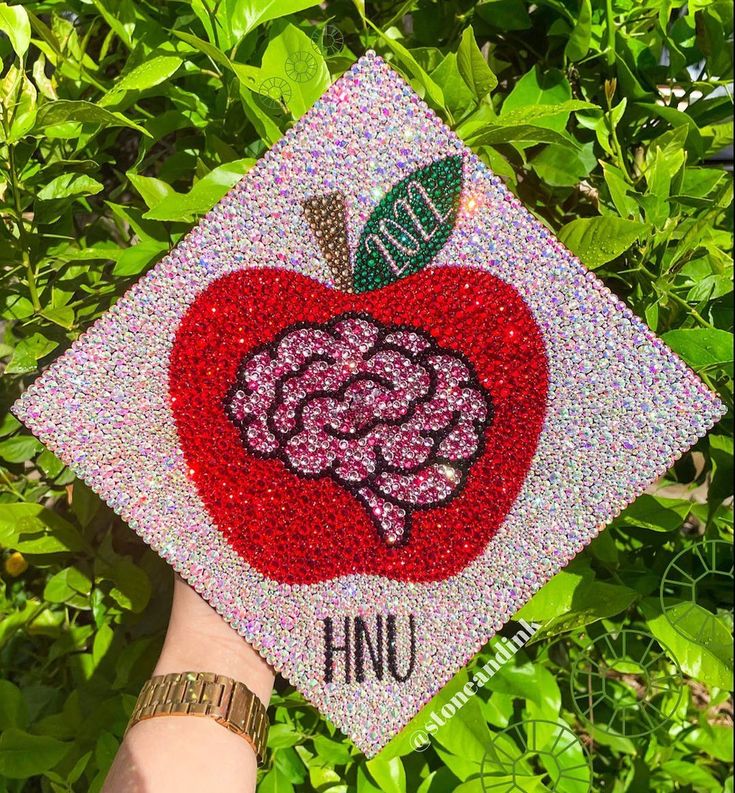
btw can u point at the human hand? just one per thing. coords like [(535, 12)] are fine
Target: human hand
[(193, 753)]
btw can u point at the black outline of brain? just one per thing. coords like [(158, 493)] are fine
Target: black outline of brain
[(361, 372)]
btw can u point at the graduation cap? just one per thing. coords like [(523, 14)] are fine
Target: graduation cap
[(368, 405)]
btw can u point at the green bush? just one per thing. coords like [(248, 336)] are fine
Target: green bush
[(123, 121)]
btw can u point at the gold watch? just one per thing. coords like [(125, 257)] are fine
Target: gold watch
[(229, 702)]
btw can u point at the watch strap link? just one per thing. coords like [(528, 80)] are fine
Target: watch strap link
[(229, 702)]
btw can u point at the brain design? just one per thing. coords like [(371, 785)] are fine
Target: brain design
[(382, 409)]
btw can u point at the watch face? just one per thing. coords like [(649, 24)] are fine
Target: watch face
[(369, 405)]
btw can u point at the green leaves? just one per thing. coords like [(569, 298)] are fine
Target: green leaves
[(63, 111), (656, 513), (19, 448), (406, 60), (710, 660), (149, 74), (574, 599), (13, 709), (473, 66), (132, 587), (537, 110), (23, 755), (166, 204), (122, 122), (578, 43), (291, 57), (701, 348), (28, 352), (31, 528), (69, 185), (246, 15), (391, 244), (599, 240), (16, 26), (389, 775), (66, 585), (542, 96)]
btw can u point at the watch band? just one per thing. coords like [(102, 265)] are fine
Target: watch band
[(229, 702)]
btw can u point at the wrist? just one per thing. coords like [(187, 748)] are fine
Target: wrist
[(199, 640)]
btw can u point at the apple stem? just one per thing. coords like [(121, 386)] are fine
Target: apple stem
[(326, 215)]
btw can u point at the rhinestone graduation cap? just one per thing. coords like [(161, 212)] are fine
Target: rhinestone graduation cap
[(369, 405)]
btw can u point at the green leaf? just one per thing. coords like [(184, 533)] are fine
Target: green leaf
[(540, 113), (504, 15), (66, 584), (457, 96), (714, 739), (84, 502), (473, 66), (204, 46), (28, 352), (281, 736), (432, 193), (133, 260), (23, 755), (132, 589), (69, 185), (655, 513), (20, 448), (120, 17), (442, 781), (331, 751), (291, 56), (571, 600), (599, 240), (578, 44), (621, 192), (8, 425), (528, 123), (131, 655), (701, 347), (559, 166), (290, 763), (677, 118), (151, 190), (101, 645), (148, 75), (13, 709), (721, 456), (529, 681), (275, 781), (711, 664), (264, 125), (65, 110), (390, 775), (694, 777), (61, 541), (21, 520), (15, 24), (24, 114), (203, 195), (63, 316), (246, 15), (548, 89), (499, 133)]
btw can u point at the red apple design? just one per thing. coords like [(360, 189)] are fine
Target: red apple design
[(383, 426), (295, 518)]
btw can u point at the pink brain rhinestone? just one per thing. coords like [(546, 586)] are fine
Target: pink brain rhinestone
[(382, 409)]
